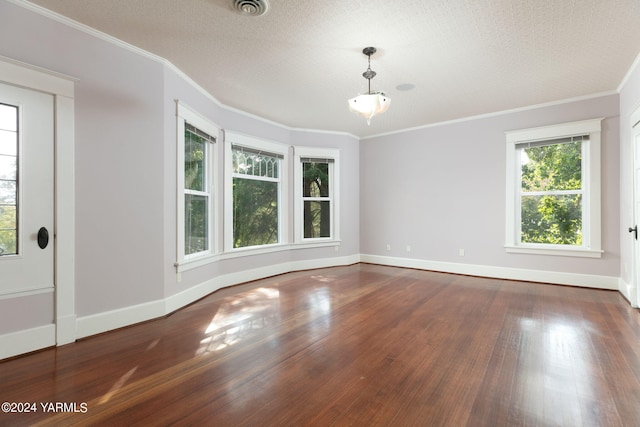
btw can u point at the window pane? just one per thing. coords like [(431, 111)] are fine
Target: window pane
[(8, 143), (315, 177), (251, 163), (194, 162), (255, 212), (196, 230), (317, 219), (8, 168), (8, 218), (552, 219), (8, 192), (8, 179), (8, 242), (8, 230), (552, 167), (8, 117)]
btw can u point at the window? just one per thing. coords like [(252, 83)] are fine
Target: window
[(316, 194), (254, 193), (196, 139), (553, 190), (8, 180)]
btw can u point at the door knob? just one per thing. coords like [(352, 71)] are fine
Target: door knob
[(43, 237), (634, 230)]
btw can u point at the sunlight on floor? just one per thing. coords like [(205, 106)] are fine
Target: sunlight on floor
[(153, 343), (238, 317), (117, 386), (319, 310), (124, 378), (323, 278), (565, 370)]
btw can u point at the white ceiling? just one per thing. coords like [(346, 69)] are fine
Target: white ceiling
[(298, 64)]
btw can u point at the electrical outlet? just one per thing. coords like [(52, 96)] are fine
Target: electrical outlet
[(388, 247), (461, 252), (408, 248)]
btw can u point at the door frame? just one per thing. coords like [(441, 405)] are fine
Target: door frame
[(634, 296), (62, 87)]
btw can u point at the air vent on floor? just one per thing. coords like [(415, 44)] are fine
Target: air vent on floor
[(251, 7)]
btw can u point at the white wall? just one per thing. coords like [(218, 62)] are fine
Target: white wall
[(442, 188)]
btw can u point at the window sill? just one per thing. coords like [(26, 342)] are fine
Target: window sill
[(192, 263), (250, 251), (555, 250)]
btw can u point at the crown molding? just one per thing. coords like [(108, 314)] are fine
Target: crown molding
[(632, 68), (497, 113), (168, 64)]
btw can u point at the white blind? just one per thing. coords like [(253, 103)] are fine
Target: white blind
[(543, 143)]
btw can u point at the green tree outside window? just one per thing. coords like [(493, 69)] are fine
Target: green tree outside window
[(551, 194), (256, 186), (316, 205)]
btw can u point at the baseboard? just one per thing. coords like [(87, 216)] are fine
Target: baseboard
[(114, 319), (554, 277), (21, 342), (324, 262)]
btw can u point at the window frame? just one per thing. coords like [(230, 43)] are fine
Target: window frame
[(591, 216), (332, 154), (187, 115), (232, 139)]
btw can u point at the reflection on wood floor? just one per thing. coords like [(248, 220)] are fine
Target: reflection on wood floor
[(358, 345)]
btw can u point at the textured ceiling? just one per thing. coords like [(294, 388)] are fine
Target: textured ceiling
[(300, 63)]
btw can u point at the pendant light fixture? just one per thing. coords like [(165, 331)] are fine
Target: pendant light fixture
[(371, 103)]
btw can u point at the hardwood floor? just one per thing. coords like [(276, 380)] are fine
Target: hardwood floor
[(360, 345)]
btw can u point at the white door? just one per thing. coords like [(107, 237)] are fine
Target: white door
[(26, 191), (635, 135)]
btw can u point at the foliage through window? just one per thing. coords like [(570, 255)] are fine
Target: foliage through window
[(316, 198), (197, 194), (551, 191), (256, 196)]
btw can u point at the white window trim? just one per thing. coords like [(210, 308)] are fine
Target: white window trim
[(591, 246), (186, 114), (238, 139), (334, 194)]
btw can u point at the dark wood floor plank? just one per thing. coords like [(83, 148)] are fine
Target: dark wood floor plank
[(358, 345)]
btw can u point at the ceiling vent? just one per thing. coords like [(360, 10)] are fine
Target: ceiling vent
[(251, 7)]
